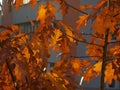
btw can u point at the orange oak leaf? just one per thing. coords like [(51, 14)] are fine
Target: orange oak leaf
[(77, 66), (55, 38), (82, 21)]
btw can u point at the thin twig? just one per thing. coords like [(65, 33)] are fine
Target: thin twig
[(86, 56), (116, 14), (91, 35), (83, 41), (76, 9), (113, 42)]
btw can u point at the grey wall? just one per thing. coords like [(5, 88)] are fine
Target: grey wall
[(26, 13)]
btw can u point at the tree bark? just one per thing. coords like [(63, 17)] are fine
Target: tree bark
[(102, 82)]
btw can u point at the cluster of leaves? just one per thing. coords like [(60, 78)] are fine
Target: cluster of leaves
[(23, 60)]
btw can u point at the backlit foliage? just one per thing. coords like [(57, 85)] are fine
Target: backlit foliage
[(24, 58)]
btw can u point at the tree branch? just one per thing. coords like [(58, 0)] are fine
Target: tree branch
[(91, 35), (76, 9), (83, 41), (113, 42), (86, 56), (102, 83), (12, 76)]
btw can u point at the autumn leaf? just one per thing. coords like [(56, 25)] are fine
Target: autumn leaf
[(97, 68), (63, 6), (76, 65), (20, 35), (18, 3), (51, 9), (3, 37), (89, 74), (55, 38), (26, 53), (85, 7), (33, 3), (82, 21), (96, 9), (109, 73), (92, 71), (15, 28), (64, 47), (68, 30), (6, 32), (41, 14)]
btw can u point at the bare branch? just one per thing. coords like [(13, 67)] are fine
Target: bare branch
[(91, 35), (113, 42), (12, 76), (83, 41), (86, 56), (76, 9)]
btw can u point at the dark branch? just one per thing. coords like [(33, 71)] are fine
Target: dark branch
[(86, 56), (83, 41), (76, 9), (113, 42), (12, 76), (91, 35)]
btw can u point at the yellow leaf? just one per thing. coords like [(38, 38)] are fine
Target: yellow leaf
[(26, 53), (41, 14), (97, 68), (68, 31)]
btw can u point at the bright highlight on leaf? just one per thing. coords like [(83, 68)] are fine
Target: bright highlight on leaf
[(41, 14)]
